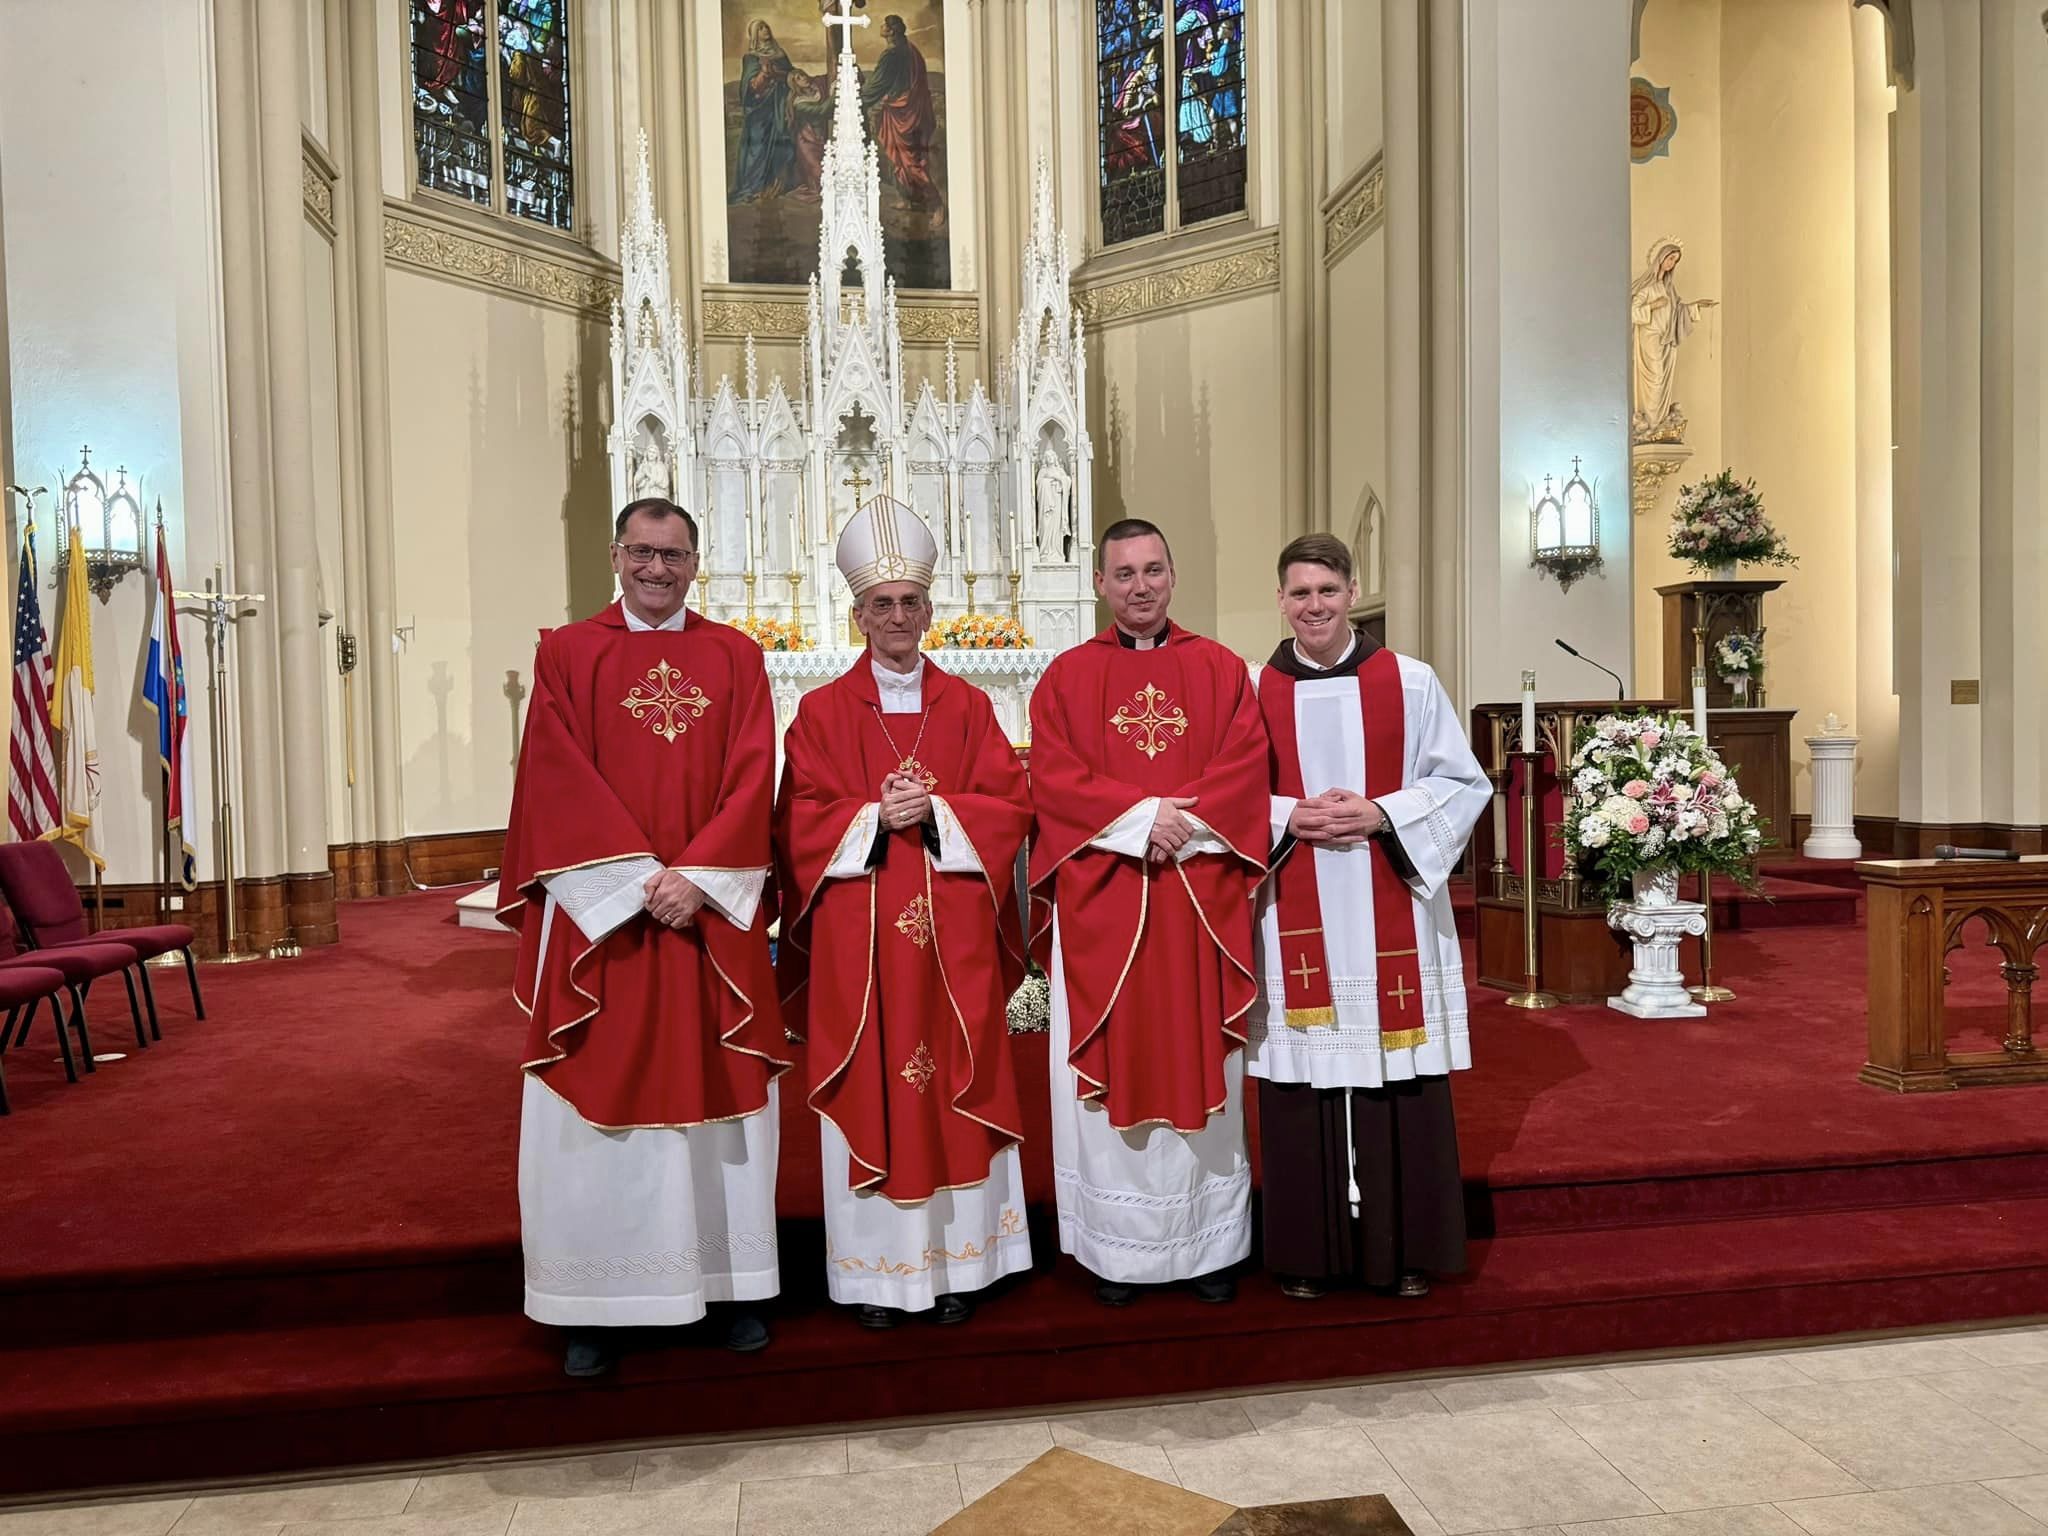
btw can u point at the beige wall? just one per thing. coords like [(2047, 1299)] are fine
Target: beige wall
[(323, 374), (500, 496), (1352, 92), (1185, 419), (1764, 186), (1357, 382)]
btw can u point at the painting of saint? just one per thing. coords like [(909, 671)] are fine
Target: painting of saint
[(779, 57)]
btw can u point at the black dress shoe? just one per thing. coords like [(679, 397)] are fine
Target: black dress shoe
[(1216, 1288), (875, 1317), (1114, 1293), (589, 1353), (1413, 1283), (745, 1334), (1302, 1290), (952, 1309)]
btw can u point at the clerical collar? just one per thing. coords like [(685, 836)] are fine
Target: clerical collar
[(888, 680), (1132, 642), (1316, 666), (675, 620)]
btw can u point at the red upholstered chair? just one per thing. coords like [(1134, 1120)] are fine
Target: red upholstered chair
[(38, 887), (80, 965), (25, 986)]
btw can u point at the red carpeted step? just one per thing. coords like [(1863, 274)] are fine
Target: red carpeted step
[(244, 1403)]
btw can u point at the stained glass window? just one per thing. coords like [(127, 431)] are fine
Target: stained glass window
[(1148, 78), (1131, 92), (451, 107), (533, 76), (458, 99), (1209, 45)]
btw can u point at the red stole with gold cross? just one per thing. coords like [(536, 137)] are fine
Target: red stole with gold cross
[(1304, 961)]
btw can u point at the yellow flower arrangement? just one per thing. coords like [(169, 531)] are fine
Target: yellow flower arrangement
[(774, 634), (977, 632)]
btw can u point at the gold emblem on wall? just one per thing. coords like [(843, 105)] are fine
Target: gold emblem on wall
[(667, 702)]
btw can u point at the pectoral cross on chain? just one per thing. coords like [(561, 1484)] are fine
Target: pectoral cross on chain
[(844, 18)]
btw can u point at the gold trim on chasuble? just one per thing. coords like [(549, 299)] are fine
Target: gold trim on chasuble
[(669, 707), (920, 1069), (1156, 720), (914, 922)]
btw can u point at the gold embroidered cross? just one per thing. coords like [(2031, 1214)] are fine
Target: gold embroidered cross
[(669, 705), (1304, 971), (920, 1069), (1401, 993), (1156, 716), (914, 922)]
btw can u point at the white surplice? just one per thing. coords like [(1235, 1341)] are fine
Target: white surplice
[(879, 1253), (1148, 1205), (1443, 793), (643, 1228)]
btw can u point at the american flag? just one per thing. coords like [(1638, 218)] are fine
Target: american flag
[(32, 794)]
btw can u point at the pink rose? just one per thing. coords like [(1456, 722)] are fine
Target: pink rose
[(1635, 789), (1639, 824), (1650, 740), (1709, 778)]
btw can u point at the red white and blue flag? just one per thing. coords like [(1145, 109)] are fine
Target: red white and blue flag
[(163, 691), (32, 807)]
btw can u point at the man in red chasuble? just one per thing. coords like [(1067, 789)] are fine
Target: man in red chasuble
[(1362, 1017), (634, 868), (1148, 774), (902, 812)]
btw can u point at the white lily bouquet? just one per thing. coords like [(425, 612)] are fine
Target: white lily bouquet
[(1739, 659), (1646, 792)]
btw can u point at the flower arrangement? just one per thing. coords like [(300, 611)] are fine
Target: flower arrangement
[(1030, 1007), (1739, 657), (1647, 792), (774, 634), (977, 632), (1720, 521)]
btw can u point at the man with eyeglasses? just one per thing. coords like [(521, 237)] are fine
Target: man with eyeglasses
[(902, 812), (634, 867)]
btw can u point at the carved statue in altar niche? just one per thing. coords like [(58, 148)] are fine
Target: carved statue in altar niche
[(650, 466), (1055, 528), (1662, 320)]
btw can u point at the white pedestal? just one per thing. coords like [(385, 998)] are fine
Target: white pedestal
[(479, 909), (1834, 799), (1655, 922)]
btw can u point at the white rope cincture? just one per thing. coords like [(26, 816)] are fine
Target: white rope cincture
[(1350, 1157)]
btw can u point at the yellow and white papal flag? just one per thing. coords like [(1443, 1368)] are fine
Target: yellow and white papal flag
[(78, 772)]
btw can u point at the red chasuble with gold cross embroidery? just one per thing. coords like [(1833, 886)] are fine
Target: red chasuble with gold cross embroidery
[(900, 979), (1158, 957), (656, 742)]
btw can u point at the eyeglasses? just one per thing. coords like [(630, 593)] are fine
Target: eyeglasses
[(640, 554), (882, 607)]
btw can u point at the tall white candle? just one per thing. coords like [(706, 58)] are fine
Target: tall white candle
[(1528, 711), (1699, 701)]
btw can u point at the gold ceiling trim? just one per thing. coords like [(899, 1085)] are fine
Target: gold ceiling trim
[(734, 312), (1191, 280), (1355, 210), (425, 240)]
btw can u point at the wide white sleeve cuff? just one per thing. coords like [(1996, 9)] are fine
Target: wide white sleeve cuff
[(1130, 832), (1282, 813), (850, 858), (956, 853), (1204, 841), (735, 894), (599, 898)]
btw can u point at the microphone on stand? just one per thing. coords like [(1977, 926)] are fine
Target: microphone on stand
[(1620, 688), (2000, 855)]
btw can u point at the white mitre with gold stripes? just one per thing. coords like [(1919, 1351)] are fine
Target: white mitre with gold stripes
[(885, 541)]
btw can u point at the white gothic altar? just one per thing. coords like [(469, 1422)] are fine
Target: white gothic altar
[(772, 475)]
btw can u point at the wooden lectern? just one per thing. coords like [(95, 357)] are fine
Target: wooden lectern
[(1579, 957)]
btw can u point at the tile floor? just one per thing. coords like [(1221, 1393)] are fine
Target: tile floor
[(1942, 1434)]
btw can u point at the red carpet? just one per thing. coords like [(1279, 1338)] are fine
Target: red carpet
[(287, 1237)]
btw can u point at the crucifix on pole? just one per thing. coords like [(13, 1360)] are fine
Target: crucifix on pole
[(218, 608), (846, 21)]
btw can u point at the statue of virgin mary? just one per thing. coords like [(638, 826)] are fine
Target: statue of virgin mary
[(1662, 320)]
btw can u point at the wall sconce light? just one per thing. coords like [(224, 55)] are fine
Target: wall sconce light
[(109, 525), (1564, 530)]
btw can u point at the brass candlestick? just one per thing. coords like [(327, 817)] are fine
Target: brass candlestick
[(796, 607), (970, 591), (1532, 994), (749, 580), (1016, 581)]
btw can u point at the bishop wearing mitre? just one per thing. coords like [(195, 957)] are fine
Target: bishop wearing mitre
[(902, 812), (634, 867), (1148, 775), (1362, 1015)]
